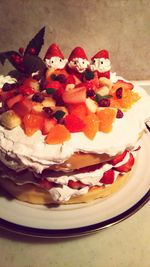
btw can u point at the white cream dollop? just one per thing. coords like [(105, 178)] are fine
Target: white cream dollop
[(6, 79)]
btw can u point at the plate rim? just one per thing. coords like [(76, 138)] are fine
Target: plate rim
[(74, 232)]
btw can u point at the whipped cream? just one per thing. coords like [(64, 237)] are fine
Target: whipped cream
[(6, 79), (19, 151), (56, 62), (79, 64), (101, 65)]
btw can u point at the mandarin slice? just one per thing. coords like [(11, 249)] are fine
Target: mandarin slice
[(57, 135), (106, 118), (91, 126)]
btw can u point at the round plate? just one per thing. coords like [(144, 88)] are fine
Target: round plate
[(80, 219)]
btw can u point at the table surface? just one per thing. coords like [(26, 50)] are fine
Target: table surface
[(123, 245)]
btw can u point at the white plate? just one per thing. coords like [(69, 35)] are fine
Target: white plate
[(79, 219)]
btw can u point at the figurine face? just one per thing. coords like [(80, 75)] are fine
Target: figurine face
[(56, 62), (79, 64), (100, 64)]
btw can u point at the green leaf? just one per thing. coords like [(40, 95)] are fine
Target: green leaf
[(59, 114), (98, 97), (89, 75), (36, 42), (50, 91)]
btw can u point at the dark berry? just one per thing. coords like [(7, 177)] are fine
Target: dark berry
[(61, 78), (89, 75), (38, 97), (7, 87), (53, 77), (21, 50), (104, 102), (119, 93), (90, 93), (119, 114), (42, 84), (48, 111)]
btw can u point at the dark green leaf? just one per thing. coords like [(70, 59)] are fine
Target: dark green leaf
[(50, 91), (98, 97), (59, 114), (36, 42)]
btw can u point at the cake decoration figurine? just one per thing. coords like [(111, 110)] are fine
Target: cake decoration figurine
[(54, 58), (77, 62), (68, 133), (101, 64)]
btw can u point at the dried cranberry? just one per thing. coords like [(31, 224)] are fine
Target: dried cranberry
[(48, 111), (7, 87), (119, 93), (90, 93), (61, 78), (104, 102), (119, 114), (38, 97)]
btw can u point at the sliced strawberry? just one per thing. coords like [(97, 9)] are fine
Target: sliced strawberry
[(53, 84), (126, 167), (48, 124), (80, 110), (23, 107), (32, 123), (73, 123), (76, 184), (15, 99), (26, 90), (74, 96), (119, 158), (108, 177), (46, 184)]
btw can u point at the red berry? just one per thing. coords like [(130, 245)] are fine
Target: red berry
[(76, 184), (21, 50), (119, 158), (126, 167), (32, 51)]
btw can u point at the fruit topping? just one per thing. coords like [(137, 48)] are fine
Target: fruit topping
[(106, 118), (23, 107), (76, 95), (76, 184), (80, 110), (38, 97), (88, 74), (44, 183), (119, 114), (32, 123), (12, 101), (73, 123), (58, 135), (48, 124), (91, 126), (119, 92), (10, 119), (119, 158)]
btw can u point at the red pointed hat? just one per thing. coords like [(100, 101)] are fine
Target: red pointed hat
[(53, 51), (77, 52), (101, 54)]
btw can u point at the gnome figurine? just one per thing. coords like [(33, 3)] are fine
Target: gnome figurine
[(101, 64), (54, 58), (77, 62)]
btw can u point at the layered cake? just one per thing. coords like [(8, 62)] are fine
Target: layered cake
[(69, 127)]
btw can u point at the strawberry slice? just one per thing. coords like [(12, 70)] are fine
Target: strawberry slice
[(126, 167), (23, 107), (108, 177), (32, 123), (53, 84), (48, 124), (119, 158), (74, 96), (73, 123), (80, 110), (12, 101), (75, 184), (46, 184)]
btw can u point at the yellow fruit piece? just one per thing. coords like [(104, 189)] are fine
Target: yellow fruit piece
[(57, 135), (106, 118), (91, 126)]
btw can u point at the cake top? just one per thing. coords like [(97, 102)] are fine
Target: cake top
[(59, 96)]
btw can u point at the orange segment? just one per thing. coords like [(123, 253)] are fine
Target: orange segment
[(91, 126), (57, 135), (32, 123), (106, 118)]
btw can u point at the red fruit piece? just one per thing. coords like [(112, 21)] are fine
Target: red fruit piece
[(119, 158), (12, 101), (32, 123), (80, 110), (73, 123), (108, 177), (46, 184), (53, 84), (76, 184), (74, 96), (126, 167), (23, 107), (47, 125)]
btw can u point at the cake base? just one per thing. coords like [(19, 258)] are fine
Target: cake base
[(33, 194)]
